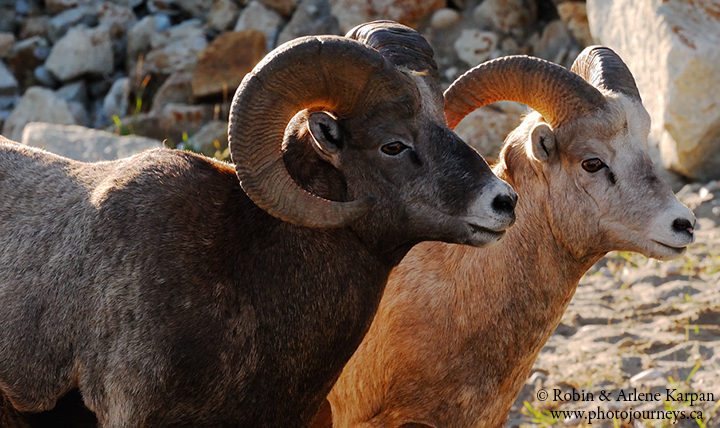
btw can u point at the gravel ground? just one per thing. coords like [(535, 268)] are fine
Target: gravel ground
[(640, 342)]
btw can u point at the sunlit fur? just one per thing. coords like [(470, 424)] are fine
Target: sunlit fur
[(459, 328), (157, 289)]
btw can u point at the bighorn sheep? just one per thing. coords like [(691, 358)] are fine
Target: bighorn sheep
[(170, 296), (458, 329)]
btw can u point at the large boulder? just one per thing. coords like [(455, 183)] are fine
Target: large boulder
[(408, 12), (175, 49), (223, 64), (223, 15), (475, 46), (485, 129), (311, 17), (139, 36), (84, 144), (211, 139), (505, 15), (173, 124), (257, 16), (59, 24), (37, 105), (176, 89), (81, 51), (673, 50)]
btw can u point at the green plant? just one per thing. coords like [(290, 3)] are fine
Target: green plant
[(682, 386), (128, 129), (544, 418), (221, 154)]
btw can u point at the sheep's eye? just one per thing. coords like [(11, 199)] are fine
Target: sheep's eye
[(394, 148), (593, 165)]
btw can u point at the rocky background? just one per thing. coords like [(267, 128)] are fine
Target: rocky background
[(97, 80), (638, 325), (166, 69)]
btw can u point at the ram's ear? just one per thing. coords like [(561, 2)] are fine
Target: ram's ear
[(328, 138), (543, 142)]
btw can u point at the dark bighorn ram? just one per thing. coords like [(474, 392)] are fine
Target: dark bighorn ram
[(170, 296), (459, 328)]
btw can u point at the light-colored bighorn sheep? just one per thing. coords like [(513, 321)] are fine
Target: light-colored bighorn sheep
[(168, 295), (458, 329)]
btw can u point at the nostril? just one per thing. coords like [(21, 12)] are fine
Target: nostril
[(683, 225), (504, 203)]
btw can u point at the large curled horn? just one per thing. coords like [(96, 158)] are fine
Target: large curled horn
[(328, 72), (602, 67), (557, 94), (403, 47), (400, 45)]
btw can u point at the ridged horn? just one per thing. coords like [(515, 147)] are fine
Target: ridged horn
[(557, 94), (403, 47), (328, 72), (604, 69), (399, 44)]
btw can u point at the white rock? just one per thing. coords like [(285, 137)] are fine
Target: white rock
[(211, 138), (8, 82), (37, 105), (504, 15), (445, 17), (44, 77), (257, 16), (485, 128), (189, 29), (175, 49), (475, 46), (222, 15), (60, 23), (574, 15), (81, 51), (350, 13), (79, 112), (116, 100), (75, 91), (673, 50), (172, 124), (139, 35), (310, 17), (177, 89), (116, 17), (85, 144)]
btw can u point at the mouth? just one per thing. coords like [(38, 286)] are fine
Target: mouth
[(676, 250), (492, 235)]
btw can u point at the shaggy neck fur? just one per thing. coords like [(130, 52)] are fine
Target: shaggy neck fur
[(290, 355), (506, 320)]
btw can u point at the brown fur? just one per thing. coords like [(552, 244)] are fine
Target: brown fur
[(155, 290), (458, 328)]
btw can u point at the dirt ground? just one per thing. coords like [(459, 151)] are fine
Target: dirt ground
[(640, 342)]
